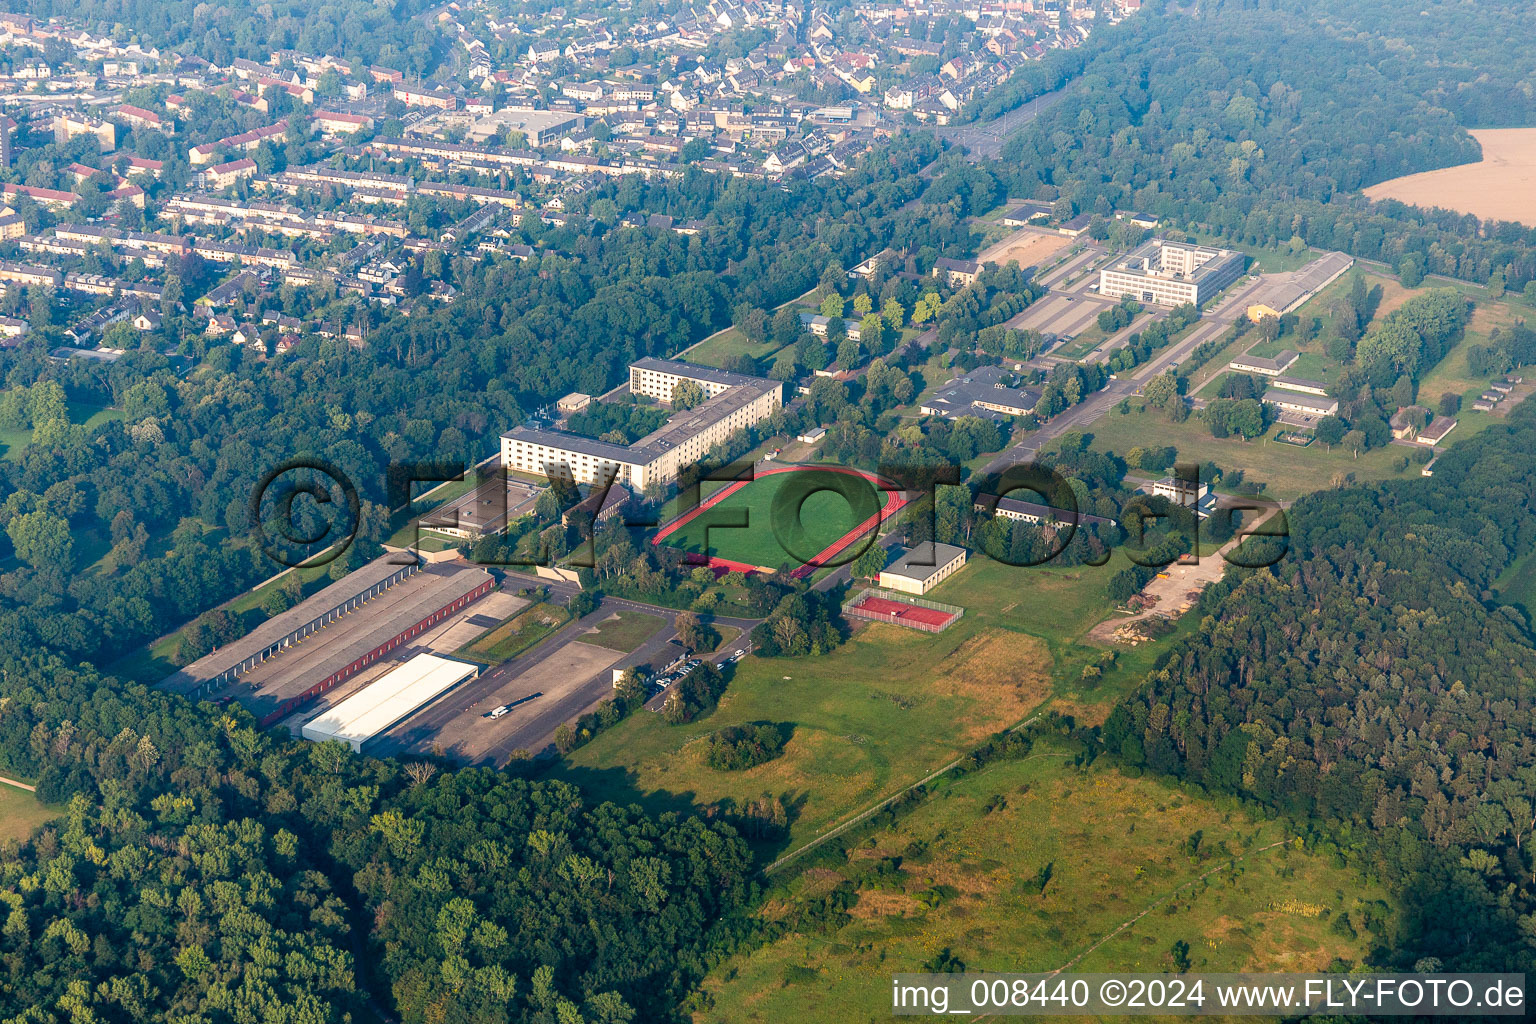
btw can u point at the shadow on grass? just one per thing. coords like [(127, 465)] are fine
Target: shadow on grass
[(767, 835)]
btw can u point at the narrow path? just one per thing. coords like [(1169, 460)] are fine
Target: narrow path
[(1224, 865), (850, 822), (18, 785)]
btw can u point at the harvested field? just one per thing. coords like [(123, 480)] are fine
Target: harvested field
[(1501, 186)]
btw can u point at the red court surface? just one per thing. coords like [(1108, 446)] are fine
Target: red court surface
[(895, 499), (896, 611)]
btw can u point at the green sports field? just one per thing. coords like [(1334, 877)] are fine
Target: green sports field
[(755, 524)]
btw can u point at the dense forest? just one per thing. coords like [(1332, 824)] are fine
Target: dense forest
[(373, 33), (1371, 682), (1260, 121), (207, 870)]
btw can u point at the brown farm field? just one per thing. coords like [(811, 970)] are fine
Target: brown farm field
[(1501, 186)]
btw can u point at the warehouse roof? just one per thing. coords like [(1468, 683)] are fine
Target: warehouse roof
[(388, 699), (313, 607), (327, 651)]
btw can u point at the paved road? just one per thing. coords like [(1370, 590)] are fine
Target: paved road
[(536, 727), (1082, 415), (985, 139)]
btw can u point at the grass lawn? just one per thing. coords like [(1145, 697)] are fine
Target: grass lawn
[(744, 527), (967, 881), (717, 348), (515, 634), (1288, 471), (1089, 339), (1313, 366), (20, 813), (80, 414), (878, 713), (1216, 366), (886, 708), (625, 631), (1517, 584), (404, 519)]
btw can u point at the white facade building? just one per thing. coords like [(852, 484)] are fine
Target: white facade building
[(733, 402), (1165, 273)]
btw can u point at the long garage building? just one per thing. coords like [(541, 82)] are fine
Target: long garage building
[(293, 657)]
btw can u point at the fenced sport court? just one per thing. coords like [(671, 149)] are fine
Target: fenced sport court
[(878, 605)]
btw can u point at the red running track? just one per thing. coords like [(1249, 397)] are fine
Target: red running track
[(894, 500), (908, 612)]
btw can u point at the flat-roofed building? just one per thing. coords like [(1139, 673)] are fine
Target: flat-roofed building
[(290, 659), (1165, 273), (394, 696), (923, 568), (733, 402)]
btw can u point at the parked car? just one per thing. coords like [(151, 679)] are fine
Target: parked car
[(497, 712)]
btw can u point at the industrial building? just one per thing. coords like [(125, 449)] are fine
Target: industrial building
[(923, 568), (1167, 273), (733, 402), (287, 661), (986, 391), (392, 697)]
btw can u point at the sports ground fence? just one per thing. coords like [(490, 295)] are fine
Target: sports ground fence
[(867, 604)]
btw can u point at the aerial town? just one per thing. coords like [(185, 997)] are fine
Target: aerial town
[(733, 511), (305, 173)]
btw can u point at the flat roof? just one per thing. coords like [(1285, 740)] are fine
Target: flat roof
[(697, 371), (939, 554), (300, 615), (326, 651), (1133, 262), (388, 699)]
